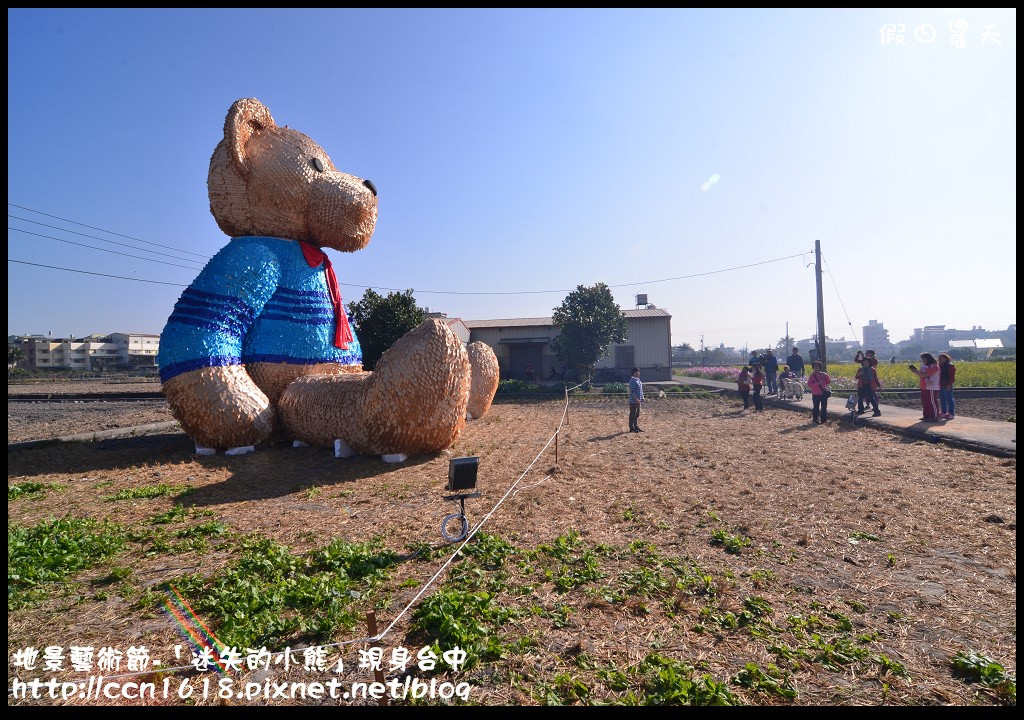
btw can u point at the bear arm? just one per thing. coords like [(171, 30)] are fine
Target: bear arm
[(211, 318), (207, 388)]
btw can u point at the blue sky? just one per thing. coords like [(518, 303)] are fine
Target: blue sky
[(518, 151)]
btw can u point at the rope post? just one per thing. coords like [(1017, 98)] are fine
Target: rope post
[(566, 405), (378, 673), (556, 447)]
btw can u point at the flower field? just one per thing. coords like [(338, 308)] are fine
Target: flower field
[(968, 374)]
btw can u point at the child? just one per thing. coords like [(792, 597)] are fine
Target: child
[(867, 387), (758, 379), (743, 386), (947, 374)]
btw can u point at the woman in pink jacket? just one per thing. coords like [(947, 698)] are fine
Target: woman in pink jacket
[(818, 382), (929, 375)]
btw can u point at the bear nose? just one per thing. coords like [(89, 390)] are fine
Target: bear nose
[(371, 186)]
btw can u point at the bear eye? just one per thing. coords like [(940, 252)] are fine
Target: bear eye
[(317, 164)]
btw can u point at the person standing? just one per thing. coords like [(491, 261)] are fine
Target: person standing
[(867, 388), (929, 380), (636, 396), (771, 372), (758, 379), (743, 386), (818, 382), (796, 362), (870, 355), (947, 374), (531, 375)]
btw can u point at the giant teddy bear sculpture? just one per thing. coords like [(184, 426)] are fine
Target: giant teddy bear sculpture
[(260, 341)]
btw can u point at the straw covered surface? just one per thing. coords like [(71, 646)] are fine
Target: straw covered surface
[(484, 378), (414, 401)]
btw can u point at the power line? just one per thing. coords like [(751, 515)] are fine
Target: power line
[(93, 247), (92, 227), (840, 298), (86, 272), (709, 272), (365, 287), (112, 242), (565, 290)]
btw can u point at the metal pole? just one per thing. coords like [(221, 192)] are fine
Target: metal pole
[(378, 674), (821, 305), (556, 448)]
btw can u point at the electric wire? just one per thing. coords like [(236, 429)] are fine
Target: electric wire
[(112, 242), (111, 232), (93, 247), (831, 277), (86, 272)]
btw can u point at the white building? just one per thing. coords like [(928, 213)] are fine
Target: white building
[(95, 352), (876, 337)]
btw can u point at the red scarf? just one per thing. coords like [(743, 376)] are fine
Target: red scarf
[(314, 256)]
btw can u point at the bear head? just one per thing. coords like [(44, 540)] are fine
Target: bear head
[(275, 181)]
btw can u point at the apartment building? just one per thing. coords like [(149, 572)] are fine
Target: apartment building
[(94, 352)]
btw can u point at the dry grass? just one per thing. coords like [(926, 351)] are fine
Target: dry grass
[(939, 577)]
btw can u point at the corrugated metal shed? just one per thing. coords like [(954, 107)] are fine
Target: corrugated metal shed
[(541, 321), (507, 322)]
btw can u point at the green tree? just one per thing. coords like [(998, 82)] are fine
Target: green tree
[(14, 354), (590, 321), (380, 321), (683, 353)]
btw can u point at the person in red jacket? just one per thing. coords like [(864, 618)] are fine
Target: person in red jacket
[(743, 386), (758, 378), (947, 374), (818, 382), (929, 377)]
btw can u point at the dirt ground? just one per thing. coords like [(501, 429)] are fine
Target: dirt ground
[(913, 543), (84, 386), (41, 421)]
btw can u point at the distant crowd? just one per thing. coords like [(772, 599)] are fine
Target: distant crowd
[(762, 375)]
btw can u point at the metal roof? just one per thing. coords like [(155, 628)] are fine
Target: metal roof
[(509, 322), (549, 322), (648, 313)]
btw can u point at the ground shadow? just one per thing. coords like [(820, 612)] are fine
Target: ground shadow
[(272, 471), (808, 427), (282, 470), (608, 437), (87, 456)]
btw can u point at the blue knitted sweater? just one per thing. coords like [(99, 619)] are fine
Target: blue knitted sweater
[(257, 300)]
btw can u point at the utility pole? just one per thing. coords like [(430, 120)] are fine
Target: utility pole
[(703, 362), (821, 305), (789, 345)]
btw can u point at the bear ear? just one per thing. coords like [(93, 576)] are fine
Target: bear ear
[(246, 117)]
